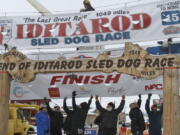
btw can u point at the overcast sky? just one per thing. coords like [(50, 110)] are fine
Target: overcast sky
[(19, 7)]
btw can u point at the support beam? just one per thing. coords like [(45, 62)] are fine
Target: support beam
[(39, 7), (171, 112), (5, 83)]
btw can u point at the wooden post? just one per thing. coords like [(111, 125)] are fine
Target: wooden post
[(5, 82), (171, 112)]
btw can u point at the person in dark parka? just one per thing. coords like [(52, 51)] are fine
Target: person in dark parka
[(68, 121), (56, 119), (87, 6), (137, 119), (79, 115), (98, 121), (42, 121), (154, 117), (110, 116)]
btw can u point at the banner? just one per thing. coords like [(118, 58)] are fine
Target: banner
[(152, 21), (95, 83)]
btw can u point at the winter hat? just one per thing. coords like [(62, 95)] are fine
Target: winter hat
[(111, 104)]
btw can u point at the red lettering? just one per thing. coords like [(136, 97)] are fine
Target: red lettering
[(62, 28), (20, 31), (86, 80), (120, 23), (55, 79), (115, 79), (34, 30), (97, 79), (144, 21), (154, 87), (82, 29), (76, 80), (47, 32), (98, 27)]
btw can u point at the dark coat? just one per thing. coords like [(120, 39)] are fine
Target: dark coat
[(68, 121), (56, 121), (42, 122), (109, 118), (137, 119), (98, 121), (154, 119), (79, 115), (89, 8)]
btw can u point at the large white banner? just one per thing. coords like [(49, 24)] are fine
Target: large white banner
[(86, 84), (140, 23)]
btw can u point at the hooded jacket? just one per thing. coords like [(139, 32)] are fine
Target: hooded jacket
[(109, 118)]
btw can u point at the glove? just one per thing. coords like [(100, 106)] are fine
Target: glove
[(91, 97), (149, 95), (74, 93), (123, 97), (96, 97)]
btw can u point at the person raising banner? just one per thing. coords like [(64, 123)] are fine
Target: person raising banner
[(110, 116)]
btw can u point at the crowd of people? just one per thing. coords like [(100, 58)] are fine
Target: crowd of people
[(50, 121)]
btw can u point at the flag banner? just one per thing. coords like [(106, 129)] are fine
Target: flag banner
[(86, 84), (154, 21)]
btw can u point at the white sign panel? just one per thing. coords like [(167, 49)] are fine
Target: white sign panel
[(86, 84), (126, 24)]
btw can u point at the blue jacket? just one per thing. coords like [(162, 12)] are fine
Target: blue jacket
[(42, 122), (154, 119)]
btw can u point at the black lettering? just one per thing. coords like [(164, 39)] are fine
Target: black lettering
[(163, 62), (102, 63), (137, 62), (129, 63), (148, 62), (120, 63), (109, 63), (22, 66), (56, 65), (171, 62), (78, 64), (156, 63), (89, 64), (71, 64), (63, 64)]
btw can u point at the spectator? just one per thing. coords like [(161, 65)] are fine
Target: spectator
[(110, 116), (98, 121), (87, 6), (137, 119), (56, 119), (42, 121), (79, 115), (154, 117), (68, 120)]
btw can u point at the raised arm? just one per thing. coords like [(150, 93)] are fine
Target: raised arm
[(65, 106), (74, 100), (161, 109), (98, 105), (89, 102), (148, 103), (49, 110), (139, 101), (121, 106)]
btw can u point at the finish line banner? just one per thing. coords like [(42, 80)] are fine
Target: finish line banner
[(126, 24), (96, 83)]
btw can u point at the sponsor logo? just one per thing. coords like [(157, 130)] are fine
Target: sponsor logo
[(19, 92), (54, 92), (171, 30), (5, 30), (113, 91), (153, 87), (82, 90)]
